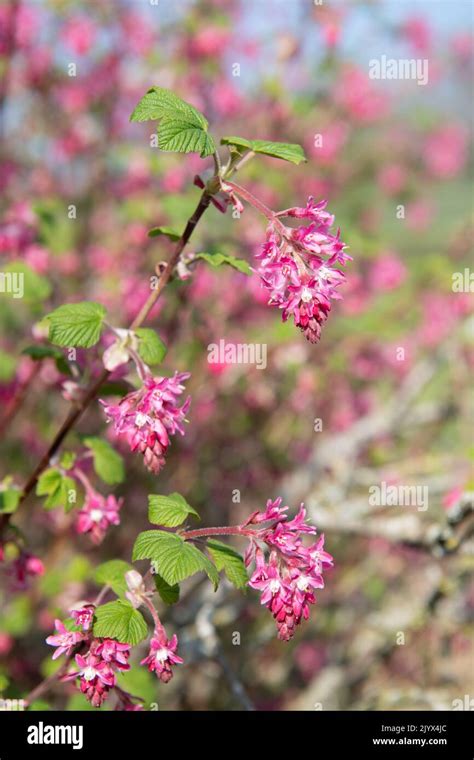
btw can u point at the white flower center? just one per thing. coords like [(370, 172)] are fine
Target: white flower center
[(89, 673), (162, 655), (140, 419), (96, 515), (274, 586), (306, 295), (303, 582)]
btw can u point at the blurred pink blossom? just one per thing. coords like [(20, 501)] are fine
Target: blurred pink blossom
[(79, 34), (445, 151), (387, 272), (417, 32)]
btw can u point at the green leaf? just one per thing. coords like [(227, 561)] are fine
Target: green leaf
[(166, 231), (67, 460), (217, 259), (39, 352), (241, 143), (230, 561), (119, 620), (174, 558), (108, 463), (9, 500), (181, 136), (286, 151), (112, 574), (182, 128), (169, 594), (150, 347), (56, 486), (159, 102), (76, 324), (170, 511)]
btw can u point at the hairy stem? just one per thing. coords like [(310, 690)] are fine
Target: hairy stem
[(229, 530), (156, 619)]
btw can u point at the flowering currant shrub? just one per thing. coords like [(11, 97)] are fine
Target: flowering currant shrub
[(299, 268)]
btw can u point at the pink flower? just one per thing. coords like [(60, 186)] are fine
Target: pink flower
[(115, 653), (293, 571), (320, 557), (162, 656), (149, 416), (268, 580), (64, 640), (273, 511), (96, 676), (297, 266), (97, 514), (298, 524), (83, 616), (97, 668)]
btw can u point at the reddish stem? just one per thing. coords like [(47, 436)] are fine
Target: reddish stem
[(250, 198), (156, 619), (230, 530)]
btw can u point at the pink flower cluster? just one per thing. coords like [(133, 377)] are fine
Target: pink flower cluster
[(162, 655), (297, 266), (288, 578), (149, 416), (97, 514), (97, 668)]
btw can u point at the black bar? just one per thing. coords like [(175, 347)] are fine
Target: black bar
[(282, 734)]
